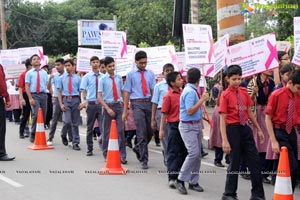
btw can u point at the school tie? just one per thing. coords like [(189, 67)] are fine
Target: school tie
[(70, 83), (289, 121), (144, 85), (38, 82), (96, 84), (241, 108), (114, 88)]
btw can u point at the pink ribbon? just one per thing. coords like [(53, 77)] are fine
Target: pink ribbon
[(124, 48), (210, 69), (211, 50), (273, 54), (41, 55)]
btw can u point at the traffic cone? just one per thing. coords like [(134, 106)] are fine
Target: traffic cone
[(113, 161), (40, 135), (283, 185)]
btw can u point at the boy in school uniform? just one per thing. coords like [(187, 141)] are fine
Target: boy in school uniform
[(138, 88), (89, 89), (190, 127), (69, 101), (110, 97), (282, 116), (176, 150), (237, 137)]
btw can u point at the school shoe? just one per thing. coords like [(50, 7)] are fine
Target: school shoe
[(50, 142), (76, 147), (144, 166), (89, 153), (31, 138), (219, 164), (123, 161), (172, 184), (266, 180), (246, 176), (180, 187), (196, 187), (137, 153), (6, 158), (257, 198), (64, 140), (204, 154), (21, 136), (224, 197)]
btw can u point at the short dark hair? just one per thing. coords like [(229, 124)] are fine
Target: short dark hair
[(193, 75), (171, 77), (295, 78), (140, 55), (60, 60), (108, 60), (102, 61), (34, 55), (286, 68), (94, 58), (27, 63), (167, 66), (234, 70), (69, 61), (280, 54)]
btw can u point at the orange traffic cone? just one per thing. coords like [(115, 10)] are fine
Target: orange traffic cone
[(283, 185), (113, 163), (40, 135)]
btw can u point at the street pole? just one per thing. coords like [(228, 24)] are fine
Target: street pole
[(3, 29)]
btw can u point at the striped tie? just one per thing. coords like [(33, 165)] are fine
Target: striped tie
[(289, 121), (241, 108)]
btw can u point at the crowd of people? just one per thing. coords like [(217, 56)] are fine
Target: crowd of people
[(253, 117)]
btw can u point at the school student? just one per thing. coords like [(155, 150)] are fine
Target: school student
[(69, 101), (89, 89), (190, 127), (282, 116), (138, 88), (176, 150), (237, 138), (110, 97)]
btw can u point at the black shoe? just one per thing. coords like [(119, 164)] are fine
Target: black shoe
[(172, 183), (76, 147), (229, 198), (6, 158), (158, 144), (138, 156), (180, 187), (219, 164), (266, 180), (204, 154), (196, 187), (21, 136), (246, 176), (31, 139), (64, 140), (123, 161), (144, 166), (257, 198), (89, 153)]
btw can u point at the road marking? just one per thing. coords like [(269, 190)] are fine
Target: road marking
[(11, 182)]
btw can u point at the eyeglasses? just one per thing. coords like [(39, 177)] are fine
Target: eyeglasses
[(142, 63)]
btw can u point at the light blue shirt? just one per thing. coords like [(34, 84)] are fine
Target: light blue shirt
[(105, 86), (88, 83), (133, 83), (54, 83), (31, 77), (63, 84), (188, 99), (160, 90)]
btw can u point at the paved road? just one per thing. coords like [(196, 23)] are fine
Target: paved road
[(63, 173)]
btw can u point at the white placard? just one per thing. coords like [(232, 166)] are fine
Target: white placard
[(27, 52), (114, 44), (12, 72), (255, 56), (198, 43), (10, 57), (283, 46), (123, 66), (83, 58)]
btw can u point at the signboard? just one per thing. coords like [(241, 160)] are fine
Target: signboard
[(83, 58), (27, 52), (114, 44), (283, 46), (89, 31), (123, 66)]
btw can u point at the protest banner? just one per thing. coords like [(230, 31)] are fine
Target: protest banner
[(198, 43), (125, 65), (83, 58), (296, 58), (89, 31), (13, 71), (255, 55), (283, 46), (27, 52), (10, 57), (157, 57), (113, 44)]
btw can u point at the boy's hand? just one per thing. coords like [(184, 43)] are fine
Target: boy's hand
[(161, 134), (153, 124), (205, 96), (261, 136), (226, 147), (275, 147)]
